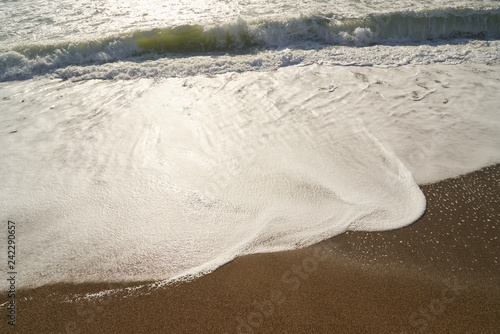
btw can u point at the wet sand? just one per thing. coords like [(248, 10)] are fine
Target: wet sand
[(439, 275)]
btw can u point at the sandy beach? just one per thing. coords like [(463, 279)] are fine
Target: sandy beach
[(439, 275)]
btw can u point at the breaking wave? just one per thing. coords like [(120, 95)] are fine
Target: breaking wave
[(242, 36)]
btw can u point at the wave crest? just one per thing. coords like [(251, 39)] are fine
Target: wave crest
[(315, 31)]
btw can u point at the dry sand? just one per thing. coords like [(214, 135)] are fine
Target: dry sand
[(439, 275)]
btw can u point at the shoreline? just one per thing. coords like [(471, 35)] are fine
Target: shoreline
[(438, 275)]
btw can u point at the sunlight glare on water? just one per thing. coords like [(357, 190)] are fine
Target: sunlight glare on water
[(73, 20), (70, 19)]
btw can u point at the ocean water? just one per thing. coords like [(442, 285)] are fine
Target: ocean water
[(160, 140)]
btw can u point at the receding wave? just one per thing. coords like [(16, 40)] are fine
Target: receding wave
[(243, 36)]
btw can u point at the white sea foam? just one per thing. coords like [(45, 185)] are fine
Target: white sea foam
[(161, 179), (66, 65), (187, 133)]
